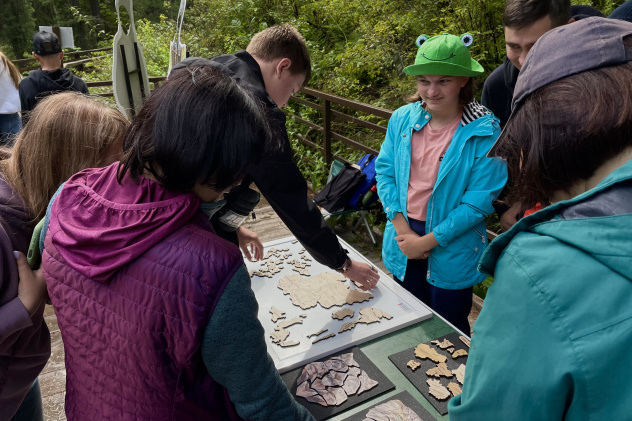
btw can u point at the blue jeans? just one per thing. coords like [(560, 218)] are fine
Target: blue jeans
[(10, 125), (454, 305), (31, 408)]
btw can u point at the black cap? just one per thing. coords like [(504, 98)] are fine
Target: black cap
[(46, 43)]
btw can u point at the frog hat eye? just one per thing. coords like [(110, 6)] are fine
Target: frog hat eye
[(421, 39), (467, 39)]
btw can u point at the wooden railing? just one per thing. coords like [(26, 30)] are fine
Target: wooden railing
[(326, 106), (73, 58)]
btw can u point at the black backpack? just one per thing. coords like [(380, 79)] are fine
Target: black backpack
[(337, 193)]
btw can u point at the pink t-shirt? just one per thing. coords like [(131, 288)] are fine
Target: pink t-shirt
[(428, 146)]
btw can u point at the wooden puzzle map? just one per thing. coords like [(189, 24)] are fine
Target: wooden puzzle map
[(320, 302)]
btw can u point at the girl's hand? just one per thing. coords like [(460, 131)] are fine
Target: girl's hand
[(415, 247), (250, 244), (31, 287)]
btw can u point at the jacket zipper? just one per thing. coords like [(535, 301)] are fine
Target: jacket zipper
[(482, 236)]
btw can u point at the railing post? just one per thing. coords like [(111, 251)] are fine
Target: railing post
[(327, 131)]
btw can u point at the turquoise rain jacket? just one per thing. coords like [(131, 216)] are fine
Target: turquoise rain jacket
[(554, 337), (467, 183)]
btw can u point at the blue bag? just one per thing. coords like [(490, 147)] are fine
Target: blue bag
[(367, 165)]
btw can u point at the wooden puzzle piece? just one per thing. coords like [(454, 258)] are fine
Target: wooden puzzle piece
[(341, 314), (391, 411), (286, 255), (413, 365), (347, 359), (459, 353), (302, 315), (331, 335), (277, 314), (347, 326), (295, 241), (440, 370), (437, 390), (424, 351), (443, 344), (451, 350), (459, 372), (366, 383), (327, 289), (279, 335), (303, 272), (317, 333), (306, 257), (465, 340), (370, 315), (454, 388), (357, 296), (287, 344), (288, 323)]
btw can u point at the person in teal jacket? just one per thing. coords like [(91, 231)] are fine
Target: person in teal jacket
[(553, 339), (436, 182)]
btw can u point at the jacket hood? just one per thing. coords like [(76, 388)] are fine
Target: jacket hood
[(53, 80), (98, 225), (597, 222)]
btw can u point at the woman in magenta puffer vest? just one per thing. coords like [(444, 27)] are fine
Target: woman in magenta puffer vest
[(155, 310)]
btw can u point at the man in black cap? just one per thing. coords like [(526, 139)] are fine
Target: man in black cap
[(51, 77)]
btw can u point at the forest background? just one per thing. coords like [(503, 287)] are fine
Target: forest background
[(358, 47)]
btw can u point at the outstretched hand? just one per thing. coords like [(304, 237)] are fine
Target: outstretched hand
[(31, 287), (364, 275), (250, 244)]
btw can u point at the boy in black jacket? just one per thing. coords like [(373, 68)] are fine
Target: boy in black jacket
[(275, 65), (51, 77)]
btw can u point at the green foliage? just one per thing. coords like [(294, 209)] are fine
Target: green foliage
[(16, 27), (482, 288)]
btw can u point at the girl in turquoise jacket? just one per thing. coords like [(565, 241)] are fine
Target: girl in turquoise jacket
[(435, 181)]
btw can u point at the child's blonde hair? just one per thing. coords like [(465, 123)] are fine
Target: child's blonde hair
[(66, 133), (282, 41), (10, 67)]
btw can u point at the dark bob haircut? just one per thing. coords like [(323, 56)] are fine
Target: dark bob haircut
[(198, 127), (565, 131)]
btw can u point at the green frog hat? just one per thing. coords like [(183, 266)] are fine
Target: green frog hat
[(444, 55)]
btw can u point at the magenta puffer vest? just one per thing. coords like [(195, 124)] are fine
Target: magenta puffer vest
[(133, 344)]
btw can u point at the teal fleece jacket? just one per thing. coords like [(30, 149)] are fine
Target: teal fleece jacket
[(554, 336)]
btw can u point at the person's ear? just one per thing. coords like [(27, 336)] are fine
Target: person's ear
[(464, 81), (283, 64), (61, 55), (571, 20)]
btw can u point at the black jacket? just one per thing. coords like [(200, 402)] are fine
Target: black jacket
[(41, 83), (498, 90), (277, 176)]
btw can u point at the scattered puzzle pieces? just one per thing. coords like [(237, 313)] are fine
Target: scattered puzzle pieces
[(317, 333), (437, 390), (443, 344), (347, 326), (277, 314), (424, 351), (341, 314), (327, 289), (288, 323), (413, 365), (331, 335), (454, 388), (460, 373), (440, 370), (279, 335), (459, 353)]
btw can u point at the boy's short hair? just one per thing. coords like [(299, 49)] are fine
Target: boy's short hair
[(282, 41), (519, 14)]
